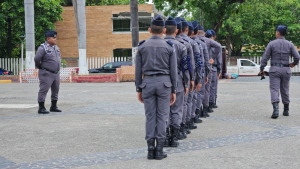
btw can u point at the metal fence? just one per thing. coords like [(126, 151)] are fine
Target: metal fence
[(96, 62), (12, 64)]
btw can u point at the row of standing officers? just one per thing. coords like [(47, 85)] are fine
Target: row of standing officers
[(176, 79)]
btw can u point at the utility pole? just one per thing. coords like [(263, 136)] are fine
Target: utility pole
[(134, 28), (29, 29), (79, 11)]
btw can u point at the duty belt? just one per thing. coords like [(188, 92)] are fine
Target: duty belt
[(280, 65), (215, 65), (157, 75), (55, 72)]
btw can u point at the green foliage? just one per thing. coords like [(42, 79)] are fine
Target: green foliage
[(255, 25), (101, 2), (63, 63), (46, 13)]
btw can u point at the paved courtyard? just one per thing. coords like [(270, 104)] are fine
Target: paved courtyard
[(103, 126)]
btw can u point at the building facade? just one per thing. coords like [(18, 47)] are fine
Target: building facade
[(108, 31)]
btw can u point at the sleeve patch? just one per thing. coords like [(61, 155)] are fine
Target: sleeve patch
[(141, 42), (170, 43), (186, 40), (202, 40)]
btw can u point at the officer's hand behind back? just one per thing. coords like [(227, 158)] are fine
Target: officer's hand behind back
[(186, 90), (199, 85), (191, 86)]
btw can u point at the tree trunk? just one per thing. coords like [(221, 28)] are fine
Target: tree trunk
[(8, 42), (217, 26)]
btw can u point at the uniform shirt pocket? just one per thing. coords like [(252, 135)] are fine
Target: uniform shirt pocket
[(168, 84)]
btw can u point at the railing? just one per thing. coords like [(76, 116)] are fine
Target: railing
[(96, 62), (12, 64)]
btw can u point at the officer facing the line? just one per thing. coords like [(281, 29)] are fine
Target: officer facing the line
[(156, 60), (280, 73), (47, 60)]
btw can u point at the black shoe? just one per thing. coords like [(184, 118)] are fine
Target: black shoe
[(53, 107), (174, 137), (215, 104), (286, 110), (186, 128), (210, 107), (205, 111), (192, 125), (201, 112), (167, 140), (197, 120), (42, 109), (159, 152), (182, 131), (275, 111), (151, 149)]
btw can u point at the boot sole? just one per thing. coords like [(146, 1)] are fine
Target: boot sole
[(159, 158), (54, 111), (274, 117), (43, 113)]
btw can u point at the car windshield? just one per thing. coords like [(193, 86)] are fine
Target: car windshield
[(247, 63), (108, 66)]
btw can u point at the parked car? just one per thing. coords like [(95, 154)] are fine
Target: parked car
[(110, 67), (5, 72), (246, 67)]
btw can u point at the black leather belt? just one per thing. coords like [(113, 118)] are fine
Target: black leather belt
[(280, 65), (215, 65), (55, 72), (157, 75)]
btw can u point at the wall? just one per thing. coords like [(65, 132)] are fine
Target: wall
[(100, 39)]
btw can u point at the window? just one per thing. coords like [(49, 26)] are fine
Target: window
[(108, 66), (144, 24), (123, 52), (246, 63), (121, 25)]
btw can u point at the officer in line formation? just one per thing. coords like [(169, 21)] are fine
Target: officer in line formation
[(174, 71), (48, 61), (280, 73)]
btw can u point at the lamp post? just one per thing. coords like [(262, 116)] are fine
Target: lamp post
[(22, 50)]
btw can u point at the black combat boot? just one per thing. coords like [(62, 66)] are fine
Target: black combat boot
[(215, 104), (205, 112), (42, 109), (53, 107), (167, 140), (186, 128), (159, 152), (210, 107), (197, 117), (202, 112), (183, 133), (174, 137), (151, 149), (286, 110), (275, 111), (192, 125)]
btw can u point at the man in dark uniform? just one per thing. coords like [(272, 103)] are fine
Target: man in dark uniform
[(199, 96), (183, 67), (217, 71), (182, 36), (156, 60), (198, 78), (279, 51), (210, 44), (47, 60)]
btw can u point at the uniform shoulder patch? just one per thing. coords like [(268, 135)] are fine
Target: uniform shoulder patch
[(181, 42), (186, 40), (141, 42), (198, 42), (202, 40), (170, 43)]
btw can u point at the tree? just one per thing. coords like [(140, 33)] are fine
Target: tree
[(12, 17), (214, 10), (101, 2), (255, 25)]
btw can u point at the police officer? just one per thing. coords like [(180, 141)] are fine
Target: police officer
[(183, 67), (210, 44), (198, 78), (156, 60), (217, 70), (279, 51), (182, 36), (199, 96), (47, 60)]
